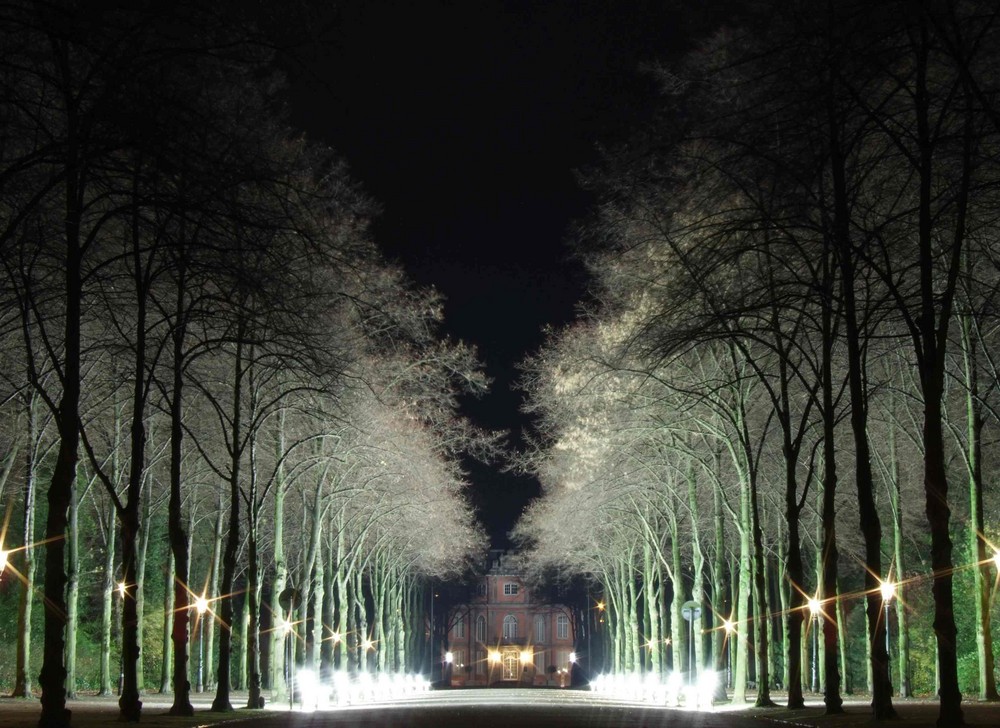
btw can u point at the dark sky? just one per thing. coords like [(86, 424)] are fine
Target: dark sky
[(465, 120)]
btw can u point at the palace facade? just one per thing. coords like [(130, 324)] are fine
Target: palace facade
[(505, 636)]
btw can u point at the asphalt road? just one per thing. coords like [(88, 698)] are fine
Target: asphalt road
[(506, 709)]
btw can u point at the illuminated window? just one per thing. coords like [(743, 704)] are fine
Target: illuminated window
[(510, 588), (459, 658), (562, 627), (510, 627), (481, 628)]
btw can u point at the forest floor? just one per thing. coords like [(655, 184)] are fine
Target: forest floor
[(96, 712)]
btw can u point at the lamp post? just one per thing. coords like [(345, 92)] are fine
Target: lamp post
[(814, 609), (888, 590), (122, 592), (729, 626), (285, 626), (201, 606)]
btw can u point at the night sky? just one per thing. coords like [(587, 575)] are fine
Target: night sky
[(465, 121)]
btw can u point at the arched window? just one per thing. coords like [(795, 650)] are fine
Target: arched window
[(510, 627), (460, 627), (481, 628), (562, 627), (539, 629)]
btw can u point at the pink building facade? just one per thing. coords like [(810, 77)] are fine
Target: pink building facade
[(504, 636)]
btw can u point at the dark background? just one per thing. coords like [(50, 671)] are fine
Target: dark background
[(465, 121)]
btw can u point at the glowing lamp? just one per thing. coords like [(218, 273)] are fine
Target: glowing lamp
[(3, 559), (494, 656), (888, 590), (201, 604), (814, 606), (572, 658), (526, 657), (600, 606), (367, 644), (121, 589), (729, 626), (449, 657), (335, 637), (996, 559)]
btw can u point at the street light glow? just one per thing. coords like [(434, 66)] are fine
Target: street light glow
[(121, 589), (367, 644), (494, 656), (449, 657), (572, 658), (335, 637), (526, 657), (600, 606), (201, 604), (888, 590), (996, 559), (3, 559), (729, 626), (814, 606)]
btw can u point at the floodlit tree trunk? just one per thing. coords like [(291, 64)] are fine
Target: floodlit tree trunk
[(652, 607), (215, 572), (698, 571), (975, 423), (936, 297), (72, 589), (52, 678), (871, 527), (221, 702), (22, 668), (834, 634), (895, 499), (784, 587), (167, 644), (741, 671), (719, 636), (252, 609), (275, 664), (108, 594), (140, 581)]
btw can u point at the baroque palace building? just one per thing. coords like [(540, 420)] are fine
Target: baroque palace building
[(503, 635)]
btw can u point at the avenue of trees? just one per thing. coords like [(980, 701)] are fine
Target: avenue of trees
[(784, 388), (212, 386)]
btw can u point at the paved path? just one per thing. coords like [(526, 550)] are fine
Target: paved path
[(494, 709)]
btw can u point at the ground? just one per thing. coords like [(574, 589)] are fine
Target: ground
[(496, 707)]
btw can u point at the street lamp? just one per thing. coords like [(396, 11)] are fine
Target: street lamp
[(815, 607), (122, 592), (284, 629), (201, 606), (3, 560), (888, 590), (996, 559)]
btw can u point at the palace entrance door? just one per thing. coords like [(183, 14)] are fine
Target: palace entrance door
[(509, 659)]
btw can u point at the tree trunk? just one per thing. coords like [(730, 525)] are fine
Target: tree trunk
[(215, 569), (166, 665), (975, 423), (52, 678), (72, 591), (177, 536), (833, 628), (22, 669), (108, 594)]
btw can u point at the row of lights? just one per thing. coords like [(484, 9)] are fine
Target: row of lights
[(698, 695)]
